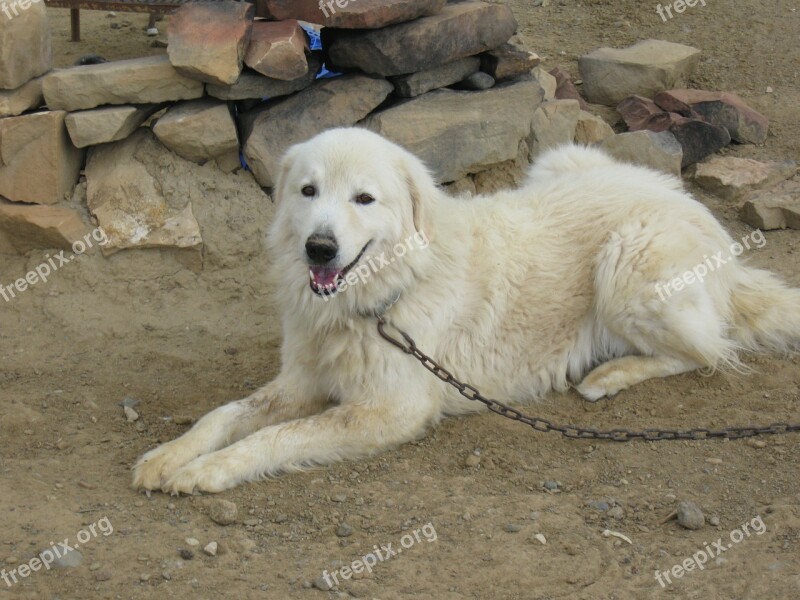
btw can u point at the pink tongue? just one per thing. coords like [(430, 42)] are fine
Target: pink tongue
[(325, 276)]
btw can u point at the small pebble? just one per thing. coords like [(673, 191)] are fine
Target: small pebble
[(512, 528), (322, 584), (714, 461), (753, 443), (130, 414), (690, 516), (540, 538), (222, 512), (129, 402), (144, 577), (616, 513), (103, 575), (472, 460), (344, 530), (192, 541), (552, 485), (211, 549), (186, 554), (714, 521)]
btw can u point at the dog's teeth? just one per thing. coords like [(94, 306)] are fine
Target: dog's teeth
[(311, 273)]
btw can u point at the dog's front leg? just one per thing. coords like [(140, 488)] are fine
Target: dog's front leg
[(344, 432), (271, 404)]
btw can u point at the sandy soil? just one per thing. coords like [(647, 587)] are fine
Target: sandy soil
[(140, 325)]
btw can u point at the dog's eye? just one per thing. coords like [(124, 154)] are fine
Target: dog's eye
[(308, 191), (364, 199)]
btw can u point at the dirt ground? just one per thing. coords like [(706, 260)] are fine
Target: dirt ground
[(142, 326)]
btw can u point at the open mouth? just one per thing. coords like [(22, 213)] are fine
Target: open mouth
[(326, 280)]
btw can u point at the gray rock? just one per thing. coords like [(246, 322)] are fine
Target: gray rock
[(27, 96), (777, 208), (600, 505), (255, 86), (617, 513), (222, 512), (646, 68), (512, 528), (25, 49), (659, 151), (344, 530), (409, 86), (552, 485), (459, 30), (547, 81), (479, 81), (107, 124), (732, 178), (440, 127), (70, 560), (690, 516), (136, 81), (270, 130), (554, 124)]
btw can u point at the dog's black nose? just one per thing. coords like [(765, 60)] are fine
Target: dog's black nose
[(321, 248)]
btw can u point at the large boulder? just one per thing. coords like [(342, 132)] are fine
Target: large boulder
[(135, 81), (777, 208), (611, 75), (457, 133), (25, 50), (38, 162), (659, 151), (460, 30), (130, 204), (208, 40), (200, 130), (356, 14), (268, 131)]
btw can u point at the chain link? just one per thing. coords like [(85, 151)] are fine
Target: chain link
[(576, 432)]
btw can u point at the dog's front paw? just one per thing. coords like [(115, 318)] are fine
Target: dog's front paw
[(211, 473), (158, 465)]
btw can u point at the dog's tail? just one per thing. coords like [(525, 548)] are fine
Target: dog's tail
[(766, 311)]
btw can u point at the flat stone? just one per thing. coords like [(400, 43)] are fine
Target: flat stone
[(444, 130), (270, 130), (27, 96), (722, 109), (38, 162), (29, 226), (733, 178), (200, 130), (409, 86), (565, 88), (107, 124), (208, 40), (252, 85), (355, 14), (646, 68), (547, 81), (554, 124), (131, 205), (638, 112), (659, 151), (591, 129), (777, 208), (478, 81), (698, 139), (459, 30), (508, 61), (136, 81), (278, 49), (25, 49)]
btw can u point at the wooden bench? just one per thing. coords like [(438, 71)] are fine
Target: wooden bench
[(146, 6)]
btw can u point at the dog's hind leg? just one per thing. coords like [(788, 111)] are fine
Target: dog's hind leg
[(225, 425), (621, 373)]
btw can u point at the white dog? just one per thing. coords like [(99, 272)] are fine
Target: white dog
[(520, 293)]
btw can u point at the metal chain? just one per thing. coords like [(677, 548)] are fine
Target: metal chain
[(573, 431)]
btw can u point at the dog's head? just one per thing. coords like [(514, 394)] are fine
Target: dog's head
[(351, 206)]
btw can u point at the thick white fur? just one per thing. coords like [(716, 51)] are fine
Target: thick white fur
[(520, 293)]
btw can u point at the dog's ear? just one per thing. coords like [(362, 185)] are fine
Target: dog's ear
[(421, 189)]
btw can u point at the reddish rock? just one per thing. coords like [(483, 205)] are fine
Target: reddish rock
[(355, 14), (460, 30), (722, 109), (508, 61), (278, 49), (565, 89), (208, 40), (638, 111), (698, 139)]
